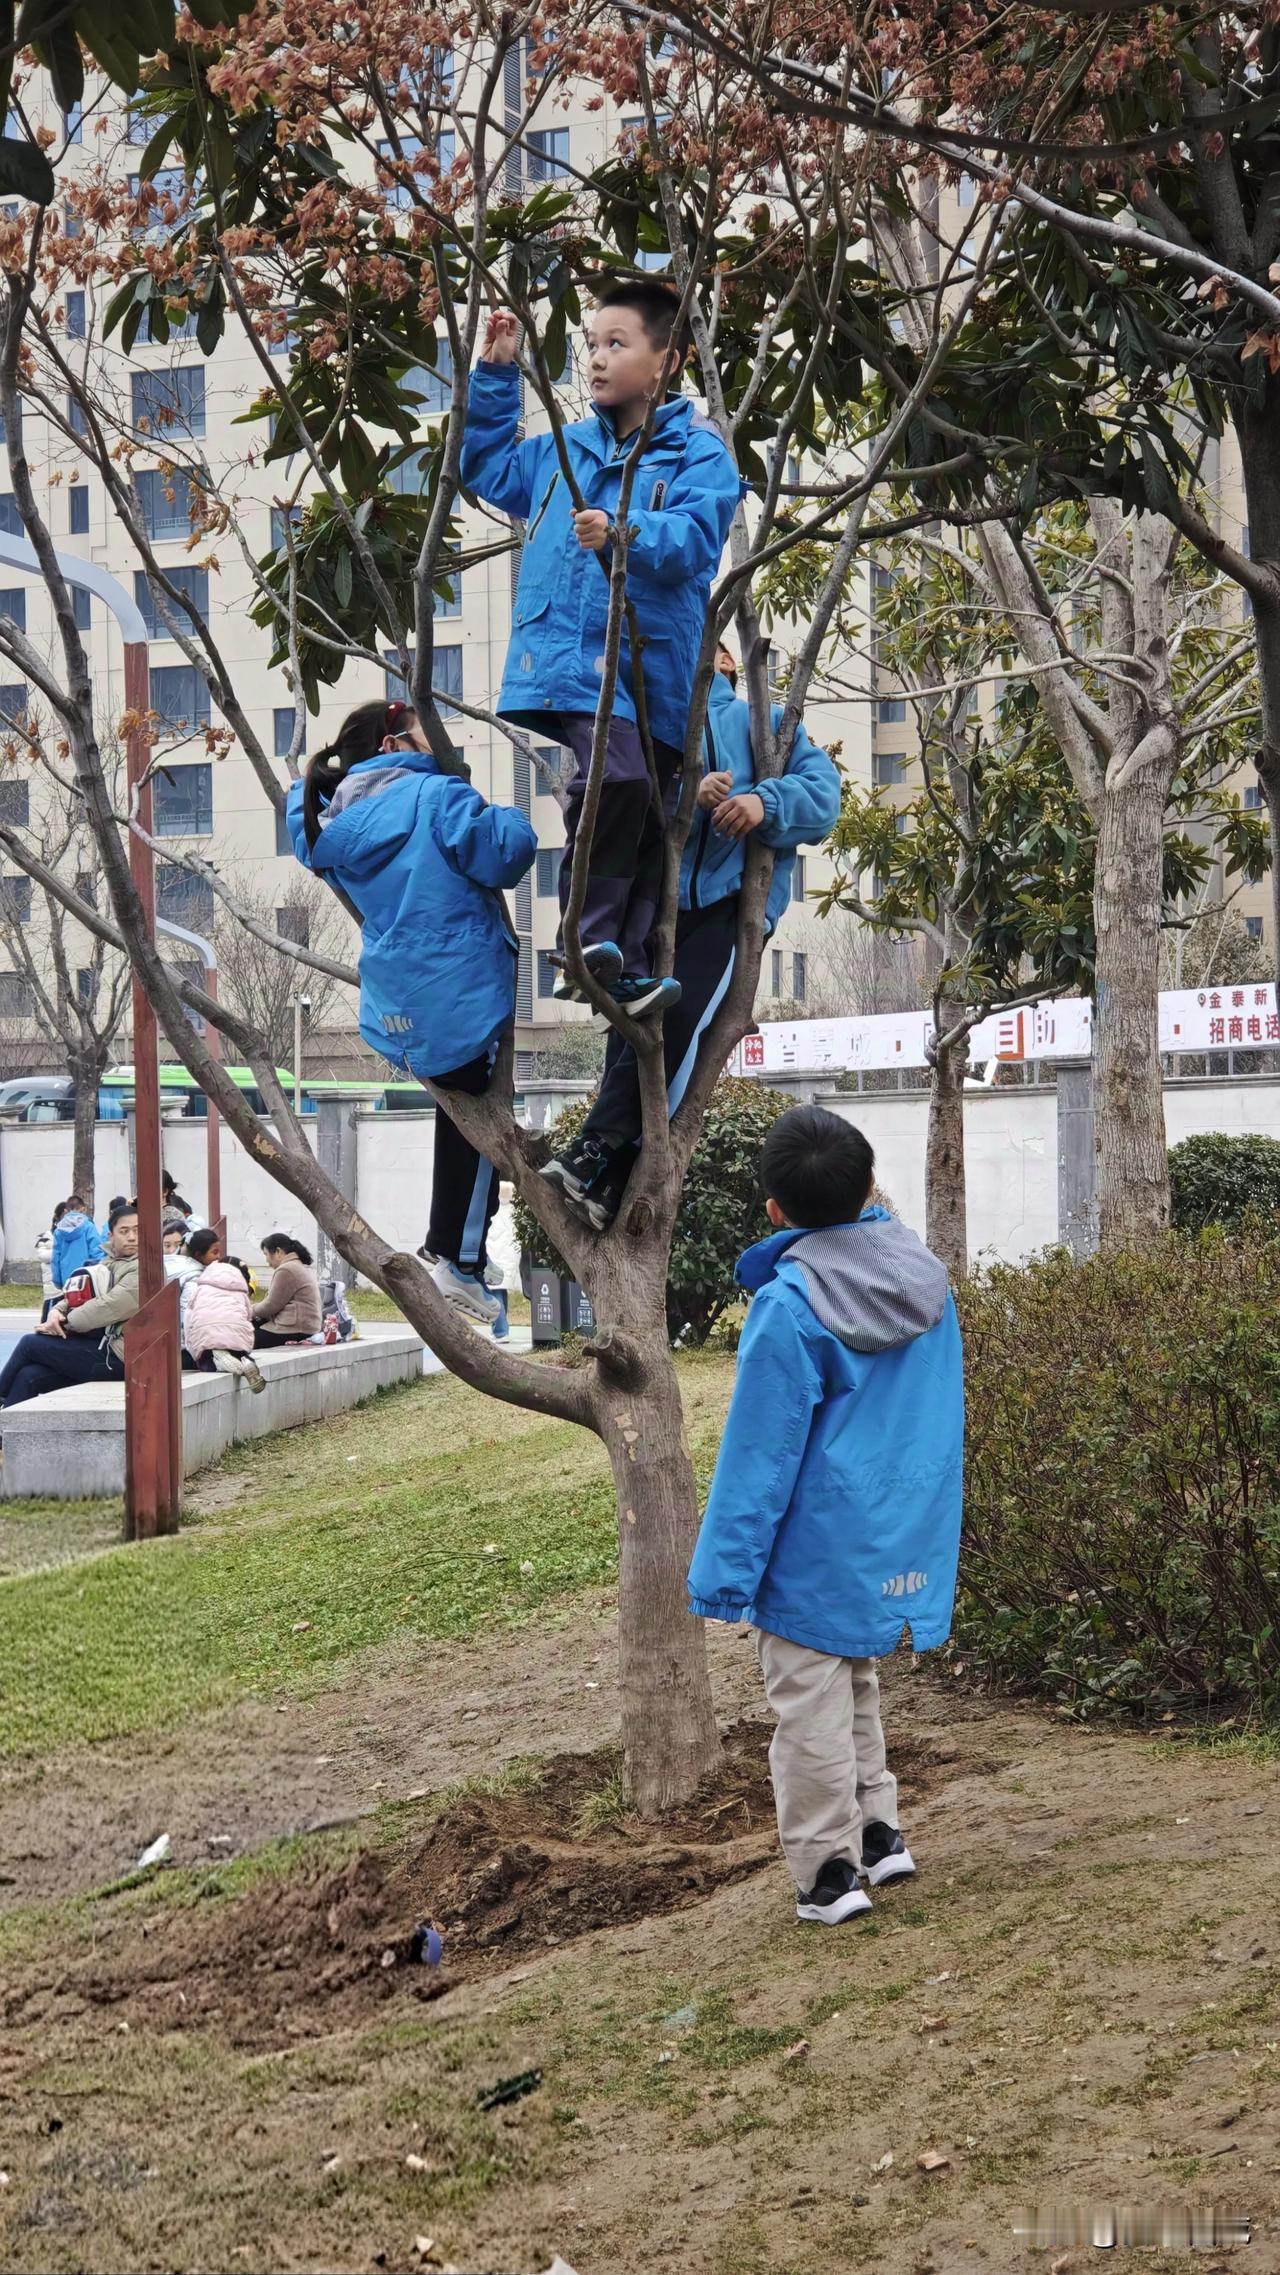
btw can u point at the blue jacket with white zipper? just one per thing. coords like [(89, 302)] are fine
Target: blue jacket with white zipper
[(683, 499), (834, 1513), (424, 860), (801, 807)]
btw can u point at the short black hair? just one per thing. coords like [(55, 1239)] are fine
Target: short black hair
[(201, 1241), (124, 1209), (656, 304), (817, 1167)]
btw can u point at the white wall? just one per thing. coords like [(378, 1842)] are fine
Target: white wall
[(1010, 1147)]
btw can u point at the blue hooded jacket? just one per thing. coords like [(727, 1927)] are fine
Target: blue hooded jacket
[(801, 807), (75, 1242), (684, 497), (834, 1514), (424, 860)]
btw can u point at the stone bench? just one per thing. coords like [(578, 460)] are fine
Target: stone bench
[(69, 1445)]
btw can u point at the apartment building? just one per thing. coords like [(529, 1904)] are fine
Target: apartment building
[(212, 805)]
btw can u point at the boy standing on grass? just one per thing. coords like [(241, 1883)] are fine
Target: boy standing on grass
[(834, 1514), (683, 498)]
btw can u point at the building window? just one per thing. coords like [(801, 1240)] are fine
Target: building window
[(183, 801), (1251, 798), (435, 381), (73, 123), (167, 502), (551, 753), (13, 605), (13, 701), (283, 720), (84, 987), (166, 320), (16, 1001), (87, 887), (966, 190), (451, 605), (284, 843), (169, 399), (446, 677), (75, 316), (78, 499), (294, 924), (184, 899), (798, 877), (15, 899), (15, 803), (547, 153), (279, 516), (82, 608), (179, 697), (10, 518), (170, 187), (1253, 926), (775, 972), (193, 582), (72, 221), (549, 864), (888, 767), (76, 419), (892, 710), (548, 974), (799, 977)]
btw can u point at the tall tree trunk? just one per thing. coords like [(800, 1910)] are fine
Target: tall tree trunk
[(86, 1075), (1258, 432), (669, 1735), (1133, 1166), (946, 1207)]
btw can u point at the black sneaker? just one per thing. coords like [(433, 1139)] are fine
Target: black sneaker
[(885, 1855), (834, 1896), (592, 1178), (604, 962), (643, 998)]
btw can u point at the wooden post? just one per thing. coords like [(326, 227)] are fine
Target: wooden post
[(213, 1126), (153, 1381)]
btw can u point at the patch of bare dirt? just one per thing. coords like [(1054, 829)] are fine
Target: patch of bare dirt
[(501, 1877)]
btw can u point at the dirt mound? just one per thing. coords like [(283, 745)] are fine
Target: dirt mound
[(500, 1877)]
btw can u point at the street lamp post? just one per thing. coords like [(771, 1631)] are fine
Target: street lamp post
[(153, 1382)]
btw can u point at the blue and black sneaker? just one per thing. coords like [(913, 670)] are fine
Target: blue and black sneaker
[(643, 998), (604, 962), (591, 1178)]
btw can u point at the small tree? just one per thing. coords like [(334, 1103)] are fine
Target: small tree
[(260, 982), (78, 984)]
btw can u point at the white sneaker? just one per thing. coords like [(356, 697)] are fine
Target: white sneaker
[(466, 1291), (834, 1896), (231, 1362)]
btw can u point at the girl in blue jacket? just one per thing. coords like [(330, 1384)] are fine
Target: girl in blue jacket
[(424, 861), (799, 807)]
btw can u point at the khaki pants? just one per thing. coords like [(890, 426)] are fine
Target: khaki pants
[(827, 1756)]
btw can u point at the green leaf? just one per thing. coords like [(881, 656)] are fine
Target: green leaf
[(26, 172), (343, 580), (153, 156)]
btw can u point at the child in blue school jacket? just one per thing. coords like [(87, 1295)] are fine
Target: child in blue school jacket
[(834, 1513), (424, 861), (76, 1242), (683, 500), (798, 807)]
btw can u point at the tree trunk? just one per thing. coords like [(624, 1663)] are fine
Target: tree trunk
[(1258, 432), (86, 1075), (669, 1734), (946, 1208), (1133, 1165)]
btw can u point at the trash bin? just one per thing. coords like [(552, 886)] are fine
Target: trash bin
[(579, 1312), (546, 1303)]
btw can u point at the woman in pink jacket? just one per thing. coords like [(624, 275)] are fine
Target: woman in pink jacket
[(219, 1324)]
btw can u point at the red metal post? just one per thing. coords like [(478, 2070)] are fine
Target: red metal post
[(153, 1379)]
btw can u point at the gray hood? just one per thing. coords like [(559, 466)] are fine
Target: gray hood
[(874, 1285)]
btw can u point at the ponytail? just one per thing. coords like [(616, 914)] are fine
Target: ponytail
[(359, 737)]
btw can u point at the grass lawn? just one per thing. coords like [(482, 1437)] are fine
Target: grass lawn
[(415, 1514)]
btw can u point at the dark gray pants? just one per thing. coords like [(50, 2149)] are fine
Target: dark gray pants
[(624, 879)]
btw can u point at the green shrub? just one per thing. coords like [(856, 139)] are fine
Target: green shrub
[(1122, 1507), (1222, 1180), (721, 1208)]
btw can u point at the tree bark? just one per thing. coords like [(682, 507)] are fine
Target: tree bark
[(946, 1205), (1133, 1166), (1258, 434), (86, 1076), (669, 1735)]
